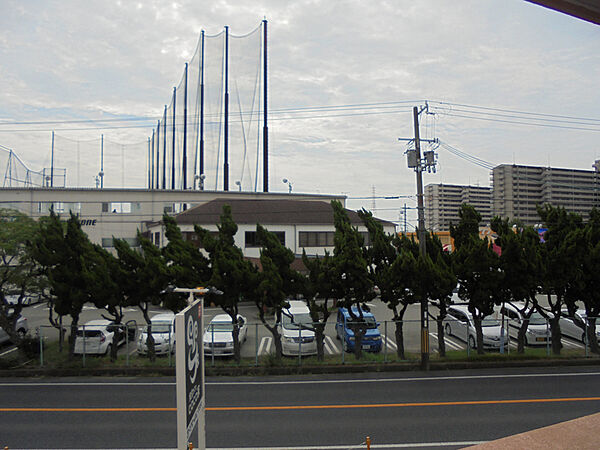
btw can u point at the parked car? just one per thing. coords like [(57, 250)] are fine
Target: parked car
[(296, 330), (346, 326), (21, 326), (538, 329), (459, 323), (163, 332), (96, 336), (218, 336), (574, 325), (28, 299)]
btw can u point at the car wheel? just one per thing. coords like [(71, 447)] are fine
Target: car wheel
[(108, 349), (448, 330), (472, 343), (21, 332)]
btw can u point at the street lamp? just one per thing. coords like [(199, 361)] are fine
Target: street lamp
[(289, 183), (239, 185)]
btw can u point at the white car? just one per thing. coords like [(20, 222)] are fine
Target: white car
[(21, 327), (96, 337), (538, 330), (296, 330), (163, 332), (459, 322), (28, 299), (574, 325), (218, 336)]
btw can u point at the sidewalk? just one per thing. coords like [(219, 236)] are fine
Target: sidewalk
[(578, 434)]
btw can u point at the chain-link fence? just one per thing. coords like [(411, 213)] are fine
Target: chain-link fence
[(332, 342)]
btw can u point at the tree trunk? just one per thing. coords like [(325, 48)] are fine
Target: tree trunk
[(591, 335), (73, 335), (555, 331), (236, 342), (359, 332), (479, 333), (400, 338), (149, 337), (320, 337), (441, 336), (521, 336)]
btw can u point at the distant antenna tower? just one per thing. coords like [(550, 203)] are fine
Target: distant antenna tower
[(373, 205)]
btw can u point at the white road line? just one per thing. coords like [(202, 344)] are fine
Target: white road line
[(39, 305), (333, 447), (265, 345), (358, 381), (333, 349)]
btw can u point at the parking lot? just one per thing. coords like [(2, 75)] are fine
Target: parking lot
[(259, 340)]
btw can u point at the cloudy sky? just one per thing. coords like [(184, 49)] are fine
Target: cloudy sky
[(507, 82)]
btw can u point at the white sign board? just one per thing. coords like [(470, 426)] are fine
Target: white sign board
[(189, 365)]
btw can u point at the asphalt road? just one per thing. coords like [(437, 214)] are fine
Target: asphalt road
[(439, 409)]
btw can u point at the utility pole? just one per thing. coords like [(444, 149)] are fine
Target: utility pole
[(419, 164)]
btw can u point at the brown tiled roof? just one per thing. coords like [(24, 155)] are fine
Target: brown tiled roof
[(266, 212)]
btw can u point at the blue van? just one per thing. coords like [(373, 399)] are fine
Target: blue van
[(345, 326)]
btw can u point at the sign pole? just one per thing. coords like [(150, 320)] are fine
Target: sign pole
[(189, 365)]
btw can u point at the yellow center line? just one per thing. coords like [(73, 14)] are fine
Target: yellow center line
[(300, 407)]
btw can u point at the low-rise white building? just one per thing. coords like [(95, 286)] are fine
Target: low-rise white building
[(300, 225), (120, 213)]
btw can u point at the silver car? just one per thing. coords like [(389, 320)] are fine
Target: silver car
[(574, 326), (459, 322), (538, 329)]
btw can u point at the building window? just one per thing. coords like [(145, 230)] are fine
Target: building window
[(316, 238), (251, 238), (157, 238), (120, 207), (105, 207)]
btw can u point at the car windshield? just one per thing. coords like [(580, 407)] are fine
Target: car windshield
[(299, 319), (490, 321), (368, 320), (161, 327), (220, 326), (537, 319)]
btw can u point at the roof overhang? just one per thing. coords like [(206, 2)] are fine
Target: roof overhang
[(588, 10)]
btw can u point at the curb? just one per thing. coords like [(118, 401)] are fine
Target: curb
[(296, 370)]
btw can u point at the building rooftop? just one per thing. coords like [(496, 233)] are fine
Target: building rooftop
[(265, 212)]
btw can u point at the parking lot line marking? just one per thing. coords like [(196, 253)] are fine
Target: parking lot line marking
[(332, 348), (265, 345), (9, 351), (302, 407), (449, 342), (390, 342)]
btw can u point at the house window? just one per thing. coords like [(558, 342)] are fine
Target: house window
[(105, 207), (316, 238), (157, 238), (251, 238)]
